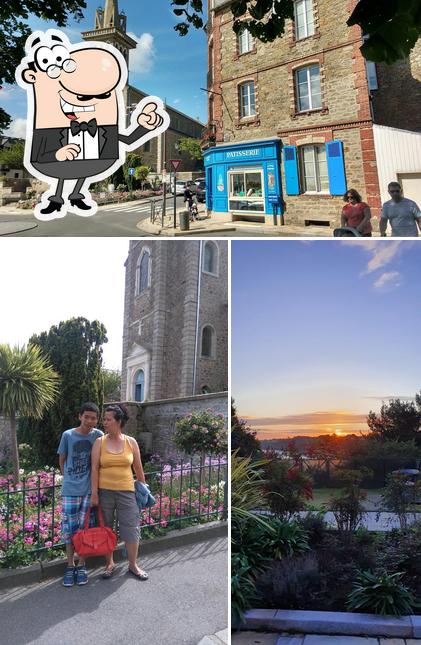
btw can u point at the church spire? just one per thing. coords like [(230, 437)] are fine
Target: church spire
[(111, 15), (111, 27)]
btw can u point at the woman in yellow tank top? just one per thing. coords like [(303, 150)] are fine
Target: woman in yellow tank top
[(113, 458)]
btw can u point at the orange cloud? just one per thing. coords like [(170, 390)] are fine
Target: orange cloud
[(310, 423)]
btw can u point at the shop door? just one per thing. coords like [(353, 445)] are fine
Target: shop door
[(411, 186), (209, 189)]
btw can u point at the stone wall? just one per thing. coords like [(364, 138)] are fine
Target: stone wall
[(397, 101), (158, 418)]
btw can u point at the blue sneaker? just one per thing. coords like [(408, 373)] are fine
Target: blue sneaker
[(69, 577), (81, 575)]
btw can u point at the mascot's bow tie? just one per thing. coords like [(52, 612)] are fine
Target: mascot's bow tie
[(91, 127)]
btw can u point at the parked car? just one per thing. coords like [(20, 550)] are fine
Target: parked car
[(179, 187), (201, 191)]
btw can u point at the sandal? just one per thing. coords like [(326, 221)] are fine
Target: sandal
[(107, 574), (140, 576)]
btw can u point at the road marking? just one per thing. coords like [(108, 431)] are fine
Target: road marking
[(128, 208)]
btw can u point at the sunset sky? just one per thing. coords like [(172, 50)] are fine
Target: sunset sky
[(323, 331)]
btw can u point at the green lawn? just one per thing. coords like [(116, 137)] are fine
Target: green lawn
[(321, 496)]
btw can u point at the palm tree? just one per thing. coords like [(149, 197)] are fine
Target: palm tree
[(28, 386)]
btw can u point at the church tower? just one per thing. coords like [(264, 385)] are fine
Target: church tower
[(110, 27)]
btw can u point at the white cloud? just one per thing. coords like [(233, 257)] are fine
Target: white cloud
[(389, 279), (176, 101), (11, 93), (381, 252), (141, 59), (17, 129)]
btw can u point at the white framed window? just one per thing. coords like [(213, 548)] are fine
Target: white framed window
[(139, 386), (143, 271), (246, 97), (246, 190), (307, 87), (208, 342), (371, 70), (313, 167), (245, 42), (304, 19), (371, 75), (210, 258)]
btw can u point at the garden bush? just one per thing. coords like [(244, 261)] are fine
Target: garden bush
[(286, 488), (243, 590), (291, 583), (272, 540), (381, 593)]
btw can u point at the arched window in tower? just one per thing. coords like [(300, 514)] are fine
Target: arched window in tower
[(208, 342), (139, 386), (143, 272), (210, 258)]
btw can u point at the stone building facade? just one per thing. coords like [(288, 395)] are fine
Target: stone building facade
[(293, 120), (111, 27), (175, 338)]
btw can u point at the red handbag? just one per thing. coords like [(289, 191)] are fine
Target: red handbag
[(99, 540)]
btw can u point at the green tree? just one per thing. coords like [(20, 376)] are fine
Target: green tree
[(13, 156), (14, 31), (28, 387), (141, 174), (243, 438), (133, 160), (112, 385), (74, 348), (398, 420), (190, 147), (393, 27)]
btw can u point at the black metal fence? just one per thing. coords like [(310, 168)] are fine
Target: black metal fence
[(186, 493)]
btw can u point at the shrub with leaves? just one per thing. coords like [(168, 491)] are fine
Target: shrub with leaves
[(201, 432), (286, 488), (243, 590), (399, 497), (382, 594), (272, 540), (348, 509)]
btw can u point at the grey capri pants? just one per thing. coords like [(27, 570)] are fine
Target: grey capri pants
[(124, 503)]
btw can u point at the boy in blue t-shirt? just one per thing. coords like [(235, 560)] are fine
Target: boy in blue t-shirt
[(75, 464)]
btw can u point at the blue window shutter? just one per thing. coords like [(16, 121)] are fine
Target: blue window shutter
[(292, 183), (336, 167)]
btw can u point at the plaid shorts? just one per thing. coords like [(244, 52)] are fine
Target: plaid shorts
[(73, 515)]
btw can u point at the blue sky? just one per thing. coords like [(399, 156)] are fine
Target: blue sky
[(164, 63), (323, 331)]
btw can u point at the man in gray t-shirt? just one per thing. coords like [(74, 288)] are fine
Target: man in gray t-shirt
[(403, 214), (75, 464)]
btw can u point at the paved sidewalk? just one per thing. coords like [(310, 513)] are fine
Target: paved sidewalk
[(184, 598), (257, 638), (220, 638)]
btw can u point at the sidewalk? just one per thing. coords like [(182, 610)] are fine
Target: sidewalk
[(257, 638), (209, 225), (184, 598)]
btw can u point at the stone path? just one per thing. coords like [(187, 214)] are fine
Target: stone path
[(257, 638)]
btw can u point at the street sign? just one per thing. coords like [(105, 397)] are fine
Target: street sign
[(131, 171), (175, 163)]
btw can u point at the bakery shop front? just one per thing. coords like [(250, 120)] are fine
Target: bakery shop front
[(243, 181)]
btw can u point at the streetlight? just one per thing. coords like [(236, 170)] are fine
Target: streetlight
[(176, 148)]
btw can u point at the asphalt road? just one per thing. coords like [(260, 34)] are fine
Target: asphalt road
[(114, 220), (185, 598)]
